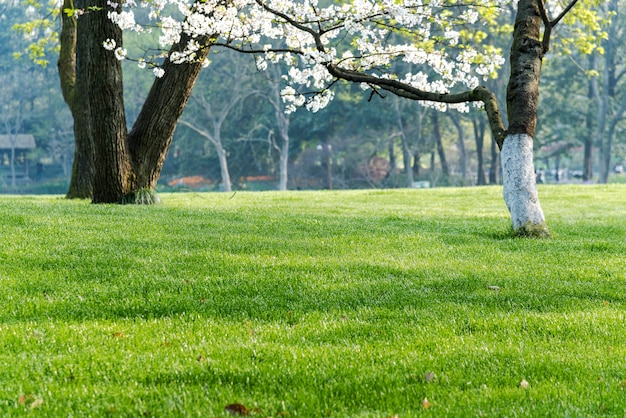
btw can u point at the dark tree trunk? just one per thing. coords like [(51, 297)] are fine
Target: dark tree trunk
[(479, 136), (81, 180), (588, 141), (456, 120), (440, 149), (416, 164), (152, 133), (101, 73), (493, 165)]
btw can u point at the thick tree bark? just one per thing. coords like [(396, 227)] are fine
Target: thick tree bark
[(518, 174), (153, 130), (101, 74), (81, 180)]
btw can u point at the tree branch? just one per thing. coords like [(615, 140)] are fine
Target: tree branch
[(479, 94), (563, 13)]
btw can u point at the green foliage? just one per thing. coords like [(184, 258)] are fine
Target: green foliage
[(585, 28), (360, 303), (38, 28)]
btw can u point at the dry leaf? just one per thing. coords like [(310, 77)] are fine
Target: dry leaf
[(24, 398), (118, 334), (426, 404), (201, 358), (524, 384), (429, 377), (237, 409), (36, 404), (494, 288)]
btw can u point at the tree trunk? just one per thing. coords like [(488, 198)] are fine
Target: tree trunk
[(283, 165), (439, 142), (462, 150), (518, 174), (479, 137), (226, 183), (588, 142), (416, 164), (520, 191), (282, 120), (152, 133), (81, 180), (493, 165), (101, 73)]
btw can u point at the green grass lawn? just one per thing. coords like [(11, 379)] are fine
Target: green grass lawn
[(312, 304)]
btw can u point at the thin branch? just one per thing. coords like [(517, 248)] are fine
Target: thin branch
[(563, 13), (479, 94), (545, 42)]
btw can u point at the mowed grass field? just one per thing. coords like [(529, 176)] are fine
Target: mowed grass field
[(310, 304)]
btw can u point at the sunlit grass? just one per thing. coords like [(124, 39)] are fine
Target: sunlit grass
[(361, 303)]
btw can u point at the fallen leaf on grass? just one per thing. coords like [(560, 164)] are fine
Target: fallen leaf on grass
[(30, 401), (429, 377), (426, 404), (24, 398), (118, 334), (494, 288), (237, 409), (36, 404)]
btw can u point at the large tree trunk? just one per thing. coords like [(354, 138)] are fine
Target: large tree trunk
[(518, 174), (101, 73), (81, 180), (152, 133)]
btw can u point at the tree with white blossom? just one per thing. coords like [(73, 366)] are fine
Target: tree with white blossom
[(362, 41), (116, 164)]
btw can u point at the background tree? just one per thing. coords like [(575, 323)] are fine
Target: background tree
[(213, 104)]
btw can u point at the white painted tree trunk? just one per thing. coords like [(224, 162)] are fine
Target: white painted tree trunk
[(520, 189)]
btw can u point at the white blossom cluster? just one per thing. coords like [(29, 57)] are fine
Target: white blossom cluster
[(419, 38)]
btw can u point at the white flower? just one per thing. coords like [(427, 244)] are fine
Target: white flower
[(141, 63), (109, 44), (158, 72), (120, 53)]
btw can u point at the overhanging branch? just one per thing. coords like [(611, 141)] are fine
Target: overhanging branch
[(479, 94)]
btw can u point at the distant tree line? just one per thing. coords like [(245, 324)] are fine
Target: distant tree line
[(234, 133)]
